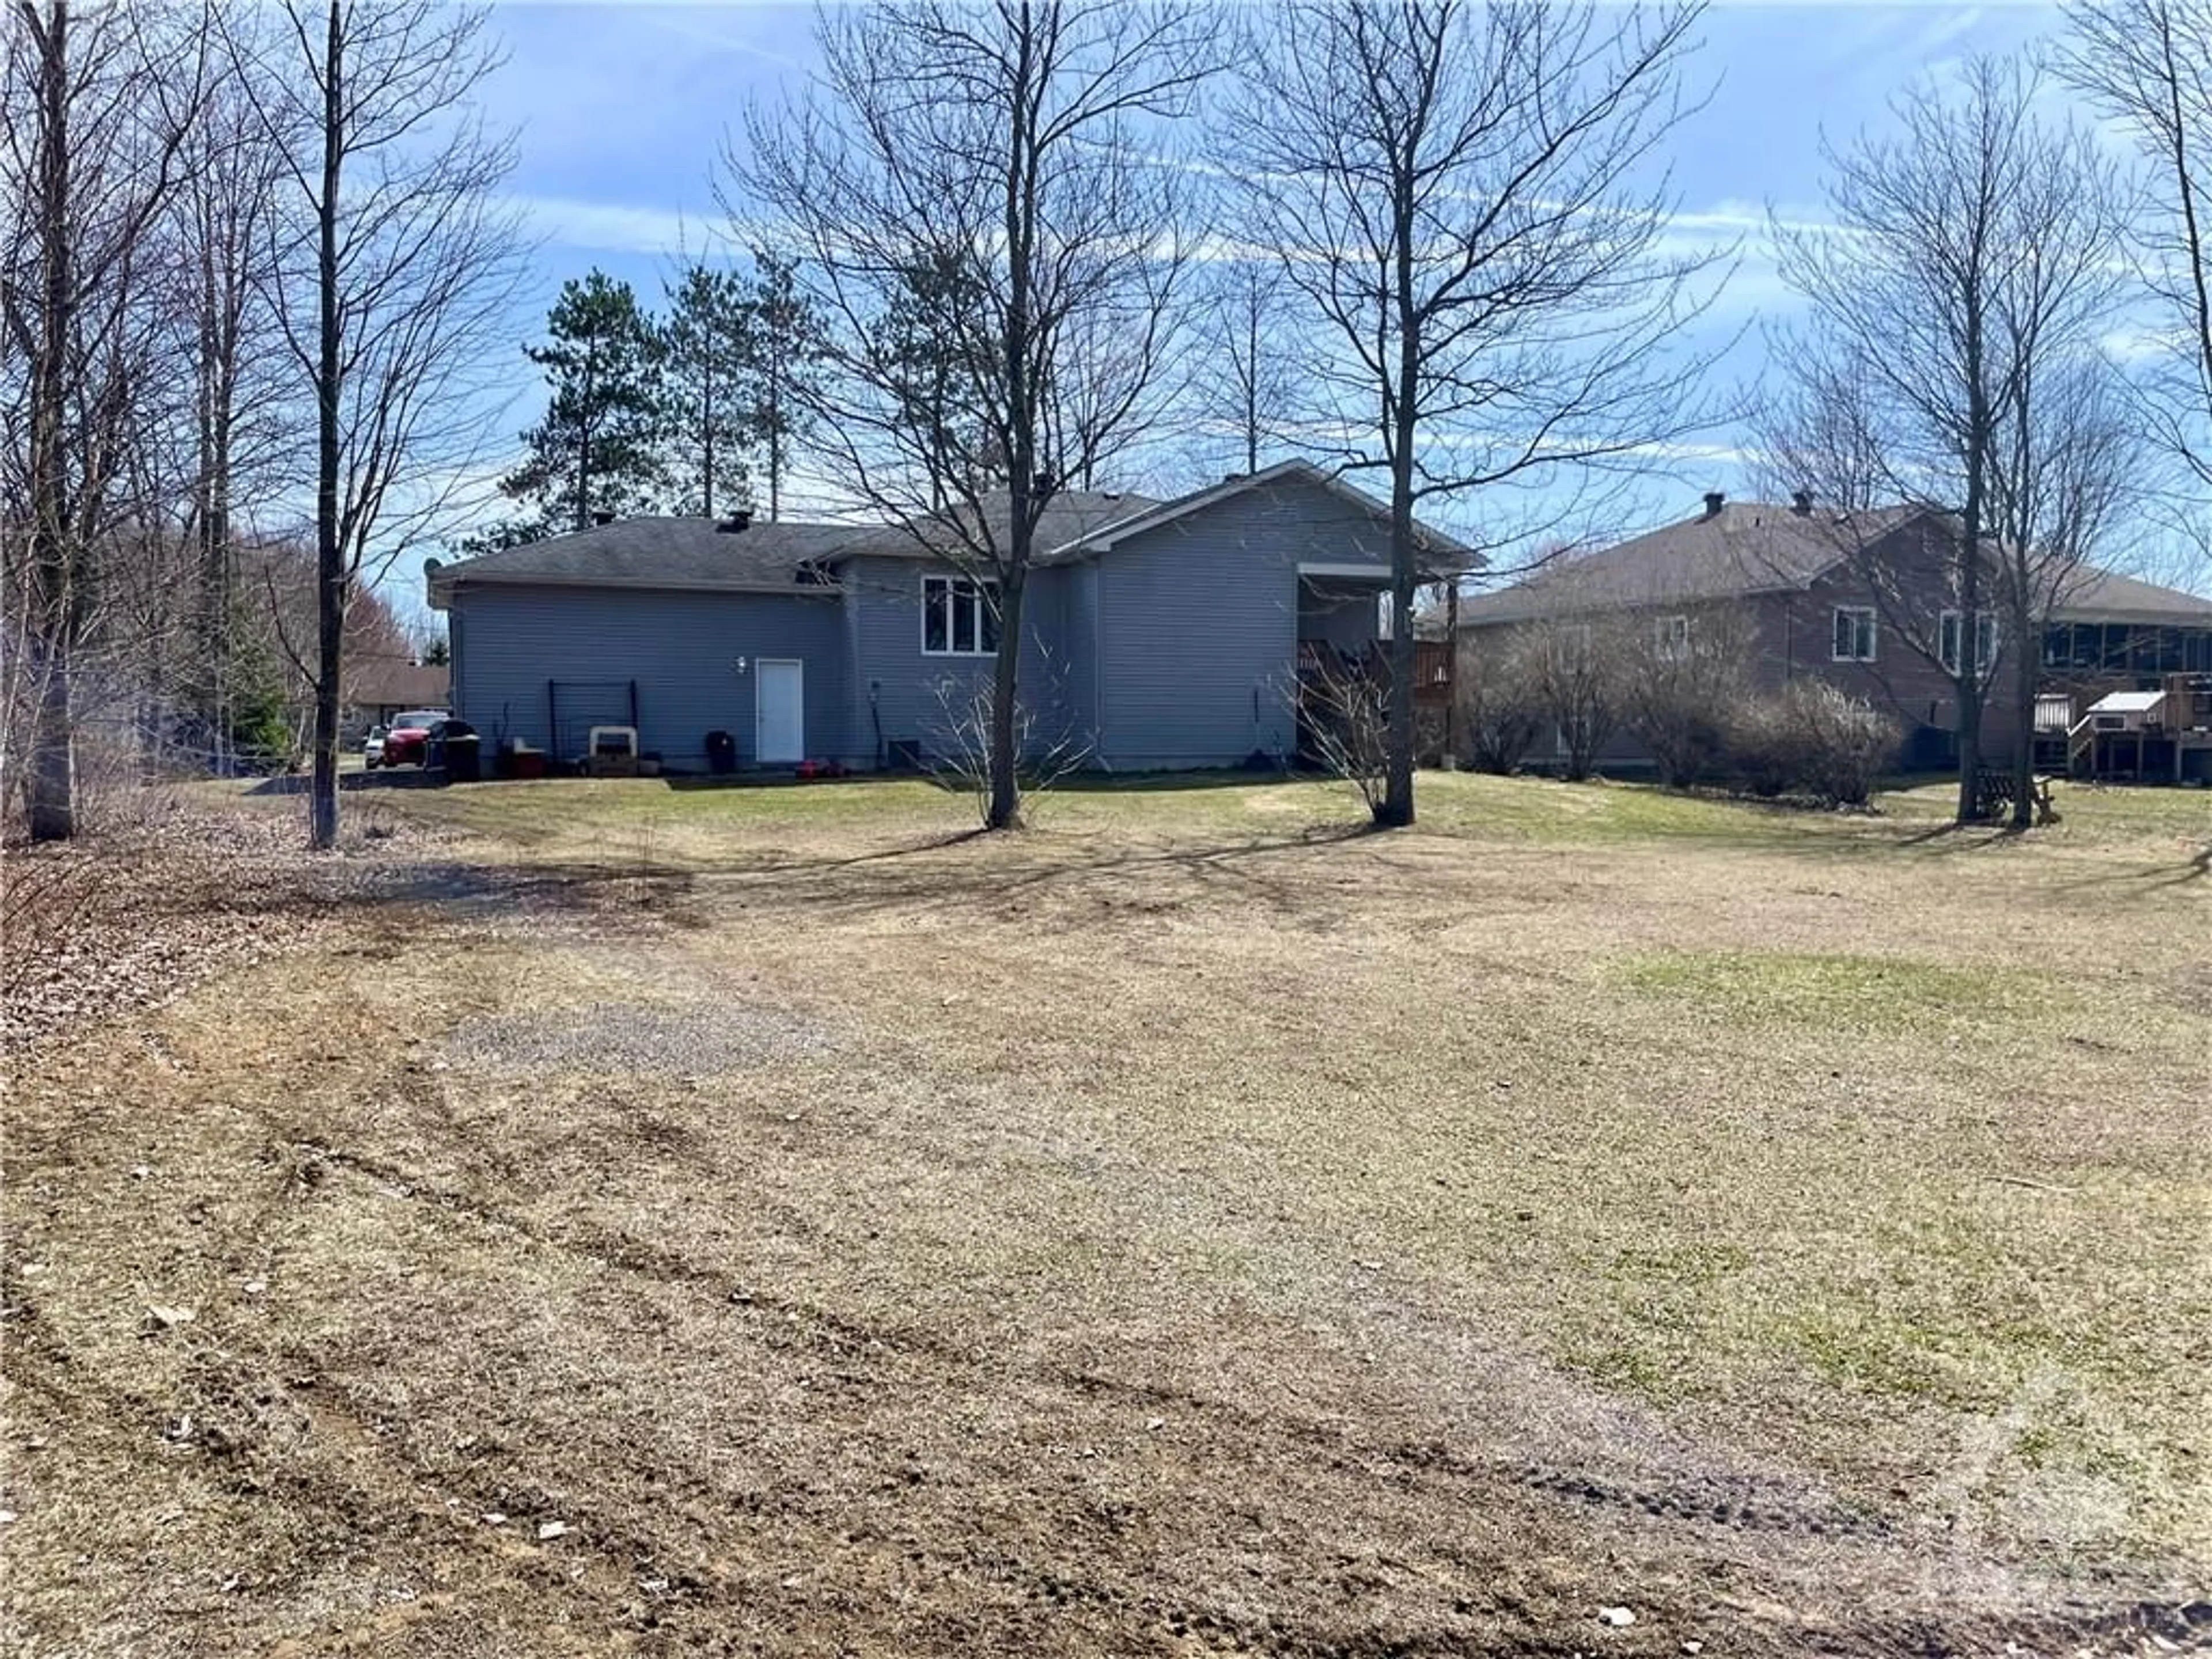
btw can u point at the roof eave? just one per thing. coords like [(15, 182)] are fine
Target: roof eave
[(441, 587)]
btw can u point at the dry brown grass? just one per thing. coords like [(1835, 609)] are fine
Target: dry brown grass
[(1187, 1226)]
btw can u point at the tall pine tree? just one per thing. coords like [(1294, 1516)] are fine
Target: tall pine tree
[(600, 447), (707, 343), (930, 336), (786, 358)]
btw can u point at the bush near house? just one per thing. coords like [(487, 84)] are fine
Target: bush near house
[(1812, 738), (1501, 704)]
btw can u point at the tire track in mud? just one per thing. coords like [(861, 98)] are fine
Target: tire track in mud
[(1715, 1505)]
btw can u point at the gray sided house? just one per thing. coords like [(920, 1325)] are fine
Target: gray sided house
[(1863, 602), (1157, 636)]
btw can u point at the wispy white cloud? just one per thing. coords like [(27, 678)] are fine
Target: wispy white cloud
[(683, 25), (618, 226)]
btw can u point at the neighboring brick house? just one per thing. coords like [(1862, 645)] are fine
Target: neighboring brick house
[(1798, 585)]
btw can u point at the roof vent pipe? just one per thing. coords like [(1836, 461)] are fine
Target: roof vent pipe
[(1802, 503), (1714, 502)]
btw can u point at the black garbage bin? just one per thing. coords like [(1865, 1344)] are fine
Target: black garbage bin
[(464, 758), (721, 754), (453, 750)]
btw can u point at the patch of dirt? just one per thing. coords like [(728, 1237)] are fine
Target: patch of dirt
[(684, 1039)]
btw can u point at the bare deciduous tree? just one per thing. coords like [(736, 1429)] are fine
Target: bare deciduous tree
[(2149, 63), (243, 415), (1018, 140), (1246, 337), (395, 287), (97, 108), (1464, 194), (1948, 360)]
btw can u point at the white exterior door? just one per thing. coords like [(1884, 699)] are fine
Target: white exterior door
[(779, 711)]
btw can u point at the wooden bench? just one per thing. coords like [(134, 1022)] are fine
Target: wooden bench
[(1994, 791)]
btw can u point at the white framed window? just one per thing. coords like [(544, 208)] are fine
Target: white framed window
[(959, 616), (1670, 638), (1947, 630), (1855, 633)]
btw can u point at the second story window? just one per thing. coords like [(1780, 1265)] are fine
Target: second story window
[(1671, 638), (1855, 633), (959, 616), (1985, 641)]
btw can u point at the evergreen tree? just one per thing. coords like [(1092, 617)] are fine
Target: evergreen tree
[(785, 361), (707, 343), (599, 448), (929, 337)]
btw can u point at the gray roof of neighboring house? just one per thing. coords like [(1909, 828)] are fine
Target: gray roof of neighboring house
[(381, 682), (2094, 595), (1747, 547), (1754, 547)]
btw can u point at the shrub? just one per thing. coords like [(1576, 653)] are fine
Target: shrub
[(1577, 680), (1813, 738), (1501, 699), (1678, 677)]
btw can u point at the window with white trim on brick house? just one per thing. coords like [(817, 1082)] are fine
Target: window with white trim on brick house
[(1855, 633)]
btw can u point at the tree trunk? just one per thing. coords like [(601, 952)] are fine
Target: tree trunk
[(707, 446), (1969, 744), (1971, 689), (1396, 810), (1005, 809), (2023, 759), (584, 435), (54, 599), (53, 754), (329, 564), (774, 435)]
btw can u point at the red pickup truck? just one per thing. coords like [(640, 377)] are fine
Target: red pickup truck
[(407, 740)]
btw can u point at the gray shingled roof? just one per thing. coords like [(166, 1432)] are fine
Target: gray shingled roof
[(665, 551), (1427, 539), (382, 682), (690, 552), (1745, 548), (1069, 518), (1750, 548), (2097, 594)]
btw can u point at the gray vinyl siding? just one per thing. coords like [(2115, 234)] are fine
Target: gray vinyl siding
[(1079, 640), (1198, 626), (897, 684), (681, 648)]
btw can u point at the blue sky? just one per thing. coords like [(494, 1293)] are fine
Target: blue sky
[(621, 111)]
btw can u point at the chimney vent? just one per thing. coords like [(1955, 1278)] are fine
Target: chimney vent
[(1802, 503), (734, 524), (1714, 502), (601, 515)]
